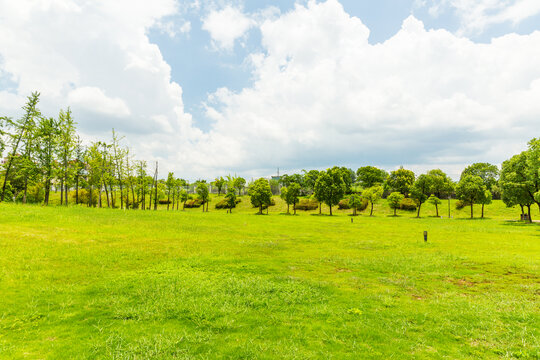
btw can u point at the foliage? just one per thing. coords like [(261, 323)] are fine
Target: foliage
[(400, 180), (307, 204), (291, 195), (372, 194), (260, 194), (420, 190), (471, 189), (369, 176), (441, 184), (395, 200), (407, 204), (329, 187)]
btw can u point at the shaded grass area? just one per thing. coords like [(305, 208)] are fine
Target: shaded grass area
[(98, 283)]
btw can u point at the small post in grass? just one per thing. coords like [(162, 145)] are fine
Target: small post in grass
[(425, 236), (352, 220)]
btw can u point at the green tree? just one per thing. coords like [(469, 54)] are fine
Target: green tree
[(471, 189), (435, 201), (47, 133), (400, 180), (369, 176), (420, 190), (291, 195), (260, 194), (66, 147), (202, 191), (441, 184), (372, 194), (355, 202), (230, 198), (310, 177), (488, 173), (239, 183), (171, 184), (394, 200), (514, 185), (20, 129), (183, 198), (219, 183), (329, 187)]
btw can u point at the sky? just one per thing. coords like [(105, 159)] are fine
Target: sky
[(218, 87)]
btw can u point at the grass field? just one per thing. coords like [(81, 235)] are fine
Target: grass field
[(80, 283)]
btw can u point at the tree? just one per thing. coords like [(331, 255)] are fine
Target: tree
[(329, 187), (290, 195), (310, 177), (230, 198), (441, 184), (400, 180), (20, 129), (372, 194), (47, 133), (485, 200), (183, 198), (219, 183), (369, 176), (355, 202), (239, 183), (394, 200), (170, 183), (488, 173), (513, 183), (471, 189), (347, 175), (202, 191), (420, 190), (435, 201), (66, 147), (260, 194), (78, 166)]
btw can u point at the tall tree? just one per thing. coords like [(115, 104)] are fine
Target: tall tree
[(471, 189), (219, 183), (239, 183), (488, 173), (170, 183), (441, 184), (47, 133), (369, 176), (291, 195), (400, 180), (230, 198), (310, 178), (515, 185), (372, 195), (65, 149), (355, 201), (329, 187), (79, 165), (19, 131), (420, 190), (260, 194), (204, 195)]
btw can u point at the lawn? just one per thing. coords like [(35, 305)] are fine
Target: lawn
[(81, 283)]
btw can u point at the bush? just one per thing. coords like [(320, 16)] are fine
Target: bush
[(194, 203), (460, 204), (344, 205), (307, 204), (84, 196), (408, 204), (35, 194), (224, 205)]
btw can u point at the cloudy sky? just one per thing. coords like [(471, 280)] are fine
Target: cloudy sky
[(216, 87)]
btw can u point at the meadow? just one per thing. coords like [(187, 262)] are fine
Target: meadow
[(83, 283)]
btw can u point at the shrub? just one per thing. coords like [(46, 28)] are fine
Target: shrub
[(224, 205), (408, 204), (460, 204), (307, 204), (35, 194), (194, 203), (344, 205), (84, 196)]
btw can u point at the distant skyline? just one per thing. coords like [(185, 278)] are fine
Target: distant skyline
[(214, 87)]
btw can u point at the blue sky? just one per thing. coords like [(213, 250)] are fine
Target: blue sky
[(212, 87)]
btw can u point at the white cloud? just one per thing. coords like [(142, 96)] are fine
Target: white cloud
[(94, 100), (324, 95), (226, 26), (478, 15)]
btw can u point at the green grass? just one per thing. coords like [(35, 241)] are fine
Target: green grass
[(80, 283)]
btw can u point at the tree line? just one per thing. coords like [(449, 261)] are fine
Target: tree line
[(43, 152)]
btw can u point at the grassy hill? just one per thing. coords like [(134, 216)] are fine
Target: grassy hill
[(98, 283)]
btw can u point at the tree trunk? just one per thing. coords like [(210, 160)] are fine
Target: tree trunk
[(294, 208), (529, 212), (482, 211), (418, 212), (437, 209), (330, 210), (371, 212), (66, 192), (25, 189), (107, 195), (471, 209), (522, 210), (395, 209), (76, 190), (287, 208), (99, 196), (320, 208), (61, 192), (168, 199)]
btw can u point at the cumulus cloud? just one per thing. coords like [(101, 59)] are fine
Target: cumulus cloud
[(94, 100), (324, 95), (226, 26), (477, 15)]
